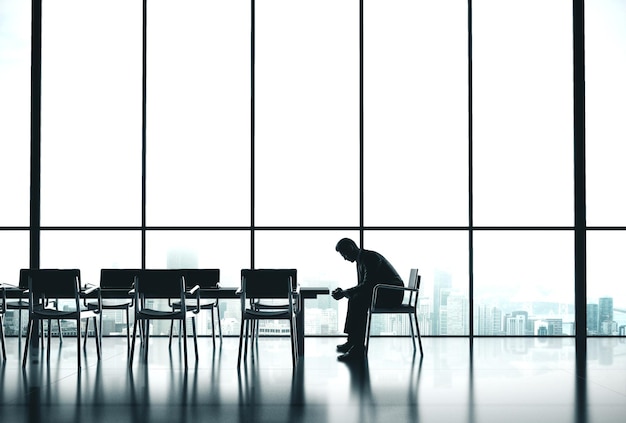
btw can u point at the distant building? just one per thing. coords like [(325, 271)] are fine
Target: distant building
[(516, 323), (605, 316), (592, 319), (443, 284)]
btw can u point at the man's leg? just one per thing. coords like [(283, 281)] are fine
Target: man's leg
[(356, 321)]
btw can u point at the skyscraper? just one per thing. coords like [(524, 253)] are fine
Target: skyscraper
[(443, 284), (605, 315), (592, 319)]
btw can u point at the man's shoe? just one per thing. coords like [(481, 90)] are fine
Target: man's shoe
[(342, 348), (353, 354)]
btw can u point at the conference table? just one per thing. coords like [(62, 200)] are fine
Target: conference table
[(305, 293)]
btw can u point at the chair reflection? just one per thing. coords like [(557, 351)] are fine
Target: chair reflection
[(254, 392)]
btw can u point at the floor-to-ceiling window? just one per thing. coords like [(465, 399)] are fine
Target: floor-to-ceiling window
[(204, 133), (15, 41), (90, 135), (523, 168), (415, 151), (605, 67), (14, 138)]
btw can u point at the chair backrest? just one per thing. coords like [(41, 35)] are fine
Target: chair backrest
[(160, 283), (54, 283), (118, 278), (267, 283), (23, 282), (414, 280), (413, 283), (204, 278)]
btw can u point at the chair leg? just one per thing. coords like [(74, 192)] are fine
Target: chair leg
[(100, 329), (419, 336), (146, 342), (294, 341), (29, 331), (171, 331), (78, 342), (86, 330), (141, 325), (240, 343), (247, 335), (59, 326), (127, 327), (60, 333), (367, 331), (195, 337), (4, 351), (219, 321), (132, 347), (49, 338), (42, 333), (213, 326), (412, 332), (184, 323), (95, 327)]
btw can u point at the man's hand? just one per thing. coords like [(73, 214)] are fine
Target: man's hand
[(338, 294)]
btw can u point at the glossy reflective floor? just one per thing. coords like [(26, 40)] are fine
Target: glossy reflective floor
[(501, 380)]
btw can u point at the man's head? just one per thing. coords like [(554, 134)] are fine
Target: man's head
[(348, 249)]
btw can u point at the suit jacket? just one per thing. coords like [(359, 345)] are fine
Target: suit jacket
[(372, 269)]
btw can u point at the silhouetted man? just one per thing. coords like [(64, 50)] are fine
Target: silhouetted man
[(372, 269)]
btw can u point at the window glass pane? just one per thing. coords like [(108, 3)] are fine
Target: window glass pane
[(313, 254), (441, 258), (606, 294), (415, 112), (228, 251), (523, 127), (198, 113), (524, 283), (90, 251), (14, 253), (91, 113), (15, 17), (307, 112), (605, 108)]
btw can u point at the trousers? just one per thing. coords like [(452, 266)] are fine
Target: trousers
[(358, 306)]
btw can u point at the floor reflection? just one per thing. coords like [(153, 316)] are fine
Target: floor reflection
[(487, 380)]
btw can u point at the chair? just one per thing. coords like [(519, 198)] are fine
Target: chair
[(408, 307), (163, 284), (205, 279), (259, 284), (59, 284), (275, 304), (114, 287), (22, 303)]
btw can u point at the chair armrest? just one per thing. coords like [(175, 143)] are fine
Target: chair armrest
[(389, 287), (295, 294), (195, 291), (9, 287), (90, 289)]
